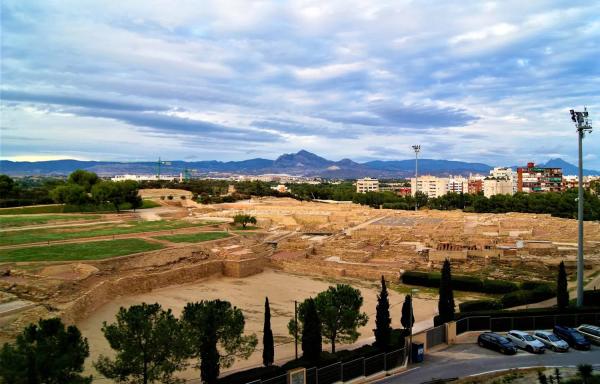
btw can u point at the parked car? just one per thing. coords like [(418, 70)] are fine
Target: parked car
[(591, 332), (525, 341), (572, 336), (551, 341), (496, 342)]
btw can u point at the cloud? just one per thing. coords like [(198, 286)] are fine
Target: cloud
[(232, 79)]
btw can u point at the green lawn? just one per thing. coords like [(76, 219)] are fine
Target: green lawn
[(46, 234), (20, 221), (60, 208), (194, 237), (82, 251)]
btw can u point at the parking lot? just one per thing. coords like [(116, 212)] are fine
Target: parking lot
[(469, 359)]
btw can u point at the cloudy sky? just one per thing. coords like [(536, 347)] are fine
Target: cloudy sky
[(228, 80)]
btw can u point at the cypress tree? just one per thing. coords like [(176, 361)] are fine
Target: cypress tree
[(446, 301), (562, 293), (311, 333), (383, 330), (406, 320), (268, 345)]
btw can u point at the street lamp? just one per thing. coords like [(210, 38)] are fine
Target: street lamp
[(417, 149), (583, 125)]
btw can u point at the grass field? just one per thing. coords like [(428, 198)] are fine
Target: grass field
[(20, 221), (194, 237), (47, 234), (59, 208), (82, 251)]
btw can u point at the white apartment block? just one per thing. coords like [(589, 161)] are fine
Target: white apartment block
[(432, 186), (458, 184), (497, 186), (142, 178), (505, 173), (367, 185)]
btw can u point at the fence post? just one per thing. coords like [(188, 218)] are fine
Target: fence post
[(316, 375), (342, 371), (364, 367), (385, 360)]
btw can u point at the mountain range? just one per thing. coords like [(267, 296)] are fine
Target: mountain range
[(302, 163)]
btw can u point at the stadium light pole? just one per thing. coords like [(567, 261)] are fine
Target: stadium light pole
[(583, 125), (417, 149)]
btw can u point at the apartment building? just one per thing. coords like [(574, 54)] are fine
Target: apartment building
[(432, 186), (532, 179), (458, 184), (505, 173), (497, 186), (572, 181), (367, 185)]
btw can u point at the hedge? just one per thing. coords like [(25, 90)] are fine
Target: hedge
[(522, 297), (459, 282), (591, 297), (479, 305)]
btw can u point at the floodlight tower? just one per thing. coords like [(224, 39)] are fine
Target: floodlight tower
[(583, 125), (417, 149)]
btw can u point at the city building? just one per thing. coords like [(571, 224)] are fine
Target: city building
[(281, 188), (432, 186), (505, 173), (497, 186), (572, 181), (367, 185), (475, 185), (457, 184), (532, 179), (142, 178)]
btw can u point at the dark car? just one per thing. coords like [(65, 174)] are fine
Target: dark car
[(572, 336), (497, 343)]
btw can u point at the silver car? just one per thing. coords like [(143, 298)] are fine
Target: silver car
[(551, 341), (591, 332), (525, 341)]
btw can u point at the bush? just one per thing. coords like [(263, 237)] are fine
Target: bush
[(170, 197), (522, 297), (499, 286), (459, 282), (591, 297), (531, 285), (479, 305)]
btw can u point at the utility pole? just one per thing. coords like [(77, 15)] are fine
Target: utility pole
[(417, 149), (412, 302), (160, 163), (583, 125)]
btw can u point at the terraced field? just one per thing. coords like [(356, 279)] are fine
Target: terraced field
[(194, 237)]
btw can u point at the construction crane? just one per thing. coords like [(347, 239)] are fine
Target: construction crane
[(159, 164)]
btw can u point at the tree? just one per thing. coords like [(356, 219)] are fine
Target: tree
[(6, 185), (421, 198), (268, 345), (244, 220), (71, 194), (215, 327), (150, 346), (339, 311), (542, 379), (45, 353), (446, 295), (585, 372), (562, 292), (557, 375), (84, 179), (129, 191), (311, 332), (383, 329), (408, 319)]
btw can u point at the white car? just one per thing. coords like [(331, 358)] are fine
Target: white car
[(525, 341), (551, 341), (591, 332)]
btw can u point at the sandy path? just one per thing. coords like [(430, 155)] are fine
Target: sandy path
[(249, 295)]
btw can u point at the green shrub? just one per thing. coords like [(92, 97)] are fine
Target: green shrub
[(591, 297), (499, 286), (522, 297), (467, 283), (531, 285), (479, 305), (421, 278)]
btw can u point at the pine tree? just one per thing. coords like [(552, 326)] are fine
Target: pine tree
[(446, 300), (562, 293), (383, 330), (268, 346), (311, 332), (406, 320)]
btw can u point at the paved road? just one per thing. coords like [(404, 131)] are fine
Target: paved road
[(469, 359)]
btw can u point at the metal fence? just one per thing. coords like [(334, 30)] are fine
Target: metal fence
[(436, 336), (346, 371), (506, 323)]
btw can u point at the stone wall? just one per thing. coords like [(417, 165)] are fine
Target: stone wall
[(243, 268)]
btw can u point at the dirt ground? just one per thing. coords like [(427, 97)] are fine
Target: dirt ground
[(249, 295)]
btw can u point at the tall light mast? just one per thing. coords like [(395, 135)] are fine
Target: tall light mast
[(583, 125), (417, 149)]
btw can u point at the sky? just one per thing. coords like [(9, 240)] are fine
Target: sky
[(133, 80)]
